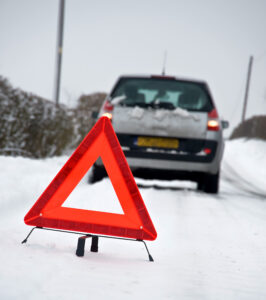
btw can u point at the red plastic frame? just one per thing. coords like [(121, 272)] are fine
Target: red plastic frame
[(134, 223)]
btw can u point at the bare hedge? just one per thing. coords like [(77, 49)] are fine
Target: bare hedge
[(35, 127), (254, 127)]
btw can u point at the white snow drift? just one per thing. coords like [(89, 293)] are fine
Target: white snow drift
[(208, 247)]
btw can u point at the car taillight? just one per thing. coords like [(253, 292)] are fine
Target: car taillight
[(108, 106), (207, 150), (213, 114), (108, 115), (213, 123)]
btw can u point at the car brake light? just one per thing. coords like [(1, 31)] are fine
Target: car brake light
[(108, 115), (108, 106), (213, 114), (207, 150), (162, 77), (213, 125)]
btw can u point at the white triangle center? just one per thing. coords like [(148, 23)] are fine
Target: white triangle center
[(99, 196)]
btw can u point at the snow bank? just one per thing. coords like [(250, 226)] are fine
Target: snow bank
[(244, 165)]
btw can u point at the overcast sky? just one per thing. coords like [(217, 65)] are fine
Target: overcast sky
[(204, 39)]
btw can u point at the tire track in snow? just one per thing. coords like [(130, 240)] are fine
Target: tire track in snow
[(213, 249), (230, 175)]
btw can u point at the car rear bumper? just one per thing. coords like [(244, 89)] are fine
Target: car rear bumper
[(172, 160), (178, 166), (175, 165), (172, 156)]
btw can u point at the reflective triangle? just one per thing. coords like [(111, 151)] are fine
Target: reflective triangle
[(102, 142)]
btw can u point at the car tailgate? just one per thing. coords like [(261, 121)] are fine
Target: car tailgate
[(160, 122)]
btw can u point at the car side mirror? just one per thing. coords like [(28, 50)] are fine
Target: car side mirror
[(225, 124)]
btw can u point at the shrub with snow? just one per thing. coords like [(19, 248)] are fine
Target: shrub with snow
[(254, 127), (83, 117), (35, 127)]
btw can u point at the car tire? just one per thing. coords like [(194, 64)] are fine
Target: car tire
[(97, 174), (211, 183), (201, 184)]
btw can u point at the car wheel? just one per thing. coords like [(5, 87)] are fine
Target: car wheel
[(201, 185), (211, 183), (97, 174)]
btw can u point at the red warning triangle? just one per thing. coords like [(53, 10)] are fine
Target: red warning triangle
[(134, 223)]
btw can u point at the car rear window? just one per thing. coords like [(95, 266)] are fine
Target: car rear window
[(161, 93)]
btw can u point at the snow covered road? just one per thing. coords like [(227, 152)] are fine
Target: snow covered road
[(208, 247)]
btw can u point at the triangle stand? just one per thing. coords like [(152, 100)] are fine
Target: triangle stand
[(94, 241)]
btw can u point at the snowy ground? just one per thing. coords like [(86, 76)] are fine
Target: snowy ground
[(208, 247)]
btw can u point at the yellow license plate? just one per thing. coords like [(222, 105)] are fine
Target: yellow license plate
[(157, 142)]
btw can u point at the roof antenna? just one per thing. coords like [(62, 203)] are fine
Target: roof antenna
[(164, 62)]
